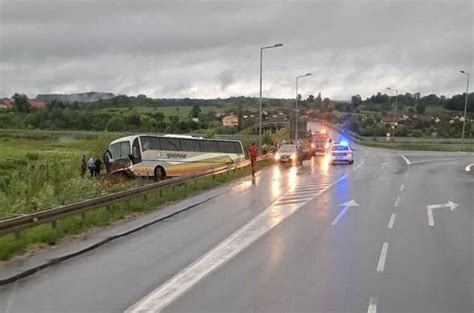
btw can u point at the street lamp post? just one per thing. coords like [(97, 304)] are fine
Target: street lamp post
[(296, 112), (394, 108), (260, 100), (465, 108)]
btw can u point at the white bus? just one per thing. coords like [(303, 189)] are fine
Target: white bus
[(169, 155)]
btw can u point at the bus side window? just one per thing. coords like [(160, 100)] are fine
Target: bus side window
[(225, 147), (190, 145), (209, 146), (170, 144), (114, 151), (124, 150), (238, 148)]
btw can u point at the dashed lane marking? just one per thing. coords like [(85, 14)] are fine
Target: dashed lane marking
[(382, 258), (372, 305), (391, 221), (402, 187), (397, 202)]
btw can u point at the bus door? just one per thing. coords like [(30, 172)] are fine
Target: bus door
[(136, 156), (117, 157)]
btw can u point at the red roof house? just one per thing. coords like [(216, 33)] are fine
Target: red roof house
[(35, 104), (6, 104)]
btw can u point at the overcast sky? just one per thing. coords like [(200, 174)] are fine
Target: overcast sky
[(210, 49)]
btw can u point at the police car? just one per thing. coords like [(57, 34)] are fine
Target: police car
[(342, 153)]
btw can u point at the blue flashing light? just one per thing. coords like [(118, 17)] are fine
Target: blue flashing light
[(344, 142)]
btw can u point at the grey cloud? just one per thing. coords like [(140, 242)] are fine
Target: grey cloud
[(211, 48)]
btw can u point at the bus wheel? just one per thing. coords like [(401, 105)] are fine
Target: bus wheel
[(159, 173)]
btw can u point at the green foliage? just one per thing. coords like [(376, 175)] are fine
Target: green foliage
[(420, 108), (115, 124), (417, 133), (209, 134), (195, 111), (20, 103), (267, 138), (44, 235)]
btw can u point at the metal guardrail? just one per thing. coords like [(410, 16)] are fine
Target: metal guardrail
[(17, 224)]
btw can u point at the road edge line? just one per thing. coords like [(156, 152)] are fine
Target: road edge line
[(469, 167), (405, 159)]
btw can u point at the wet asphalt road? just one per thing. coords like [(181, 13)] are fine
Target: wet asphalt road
[(293, 247)]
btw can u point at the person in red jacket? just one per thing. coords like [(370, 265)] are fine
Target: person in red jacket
[(253, 153)]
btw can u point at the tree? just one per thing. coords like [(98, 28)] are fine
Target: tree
[(195, 111), (20, 103), (420, 108), (133, 120), (115, 124), (356, 100)]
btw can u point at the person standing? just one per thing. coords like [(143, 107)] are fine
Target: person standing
[(253, 153), (97, 166), (91, 166), (83, 166)]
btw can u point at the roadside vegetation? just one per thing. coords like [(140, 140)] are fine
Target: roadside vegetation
[(38, 172), (43, 236)]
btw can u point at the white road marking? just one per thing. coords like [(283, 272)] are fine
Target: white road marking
[(292, 202), (429, 210), (307, 192), (383, 256), (296, 197), (372, 305), (405, 159), (441, 160), (343, 212), (469, 167), (397, 202), (168, 292), (402, 187), (304, 189), (430, 216), (391, 221)]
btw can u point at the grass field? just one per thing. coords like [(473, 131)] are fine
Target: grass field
[(183, 111), (41, 172)]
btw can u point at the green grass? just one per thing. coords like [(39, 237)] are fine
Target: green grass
[(420, 146), (37, 173), (44, 235), (183, 111)]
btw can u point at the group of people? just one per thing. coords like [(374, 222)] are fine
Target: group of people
[(93, 165)]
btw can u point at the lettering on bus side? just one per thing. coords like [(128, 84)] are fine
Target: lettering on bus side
[(176, 155)]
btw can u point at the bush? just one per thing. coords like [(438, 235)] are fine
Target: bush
[(417, 133)]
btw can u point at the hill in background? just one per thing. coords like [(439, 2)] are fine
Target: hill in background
[(84, 97)]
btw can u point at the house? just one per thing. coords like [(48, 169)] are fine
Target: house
[(35, 104), (392, 119), (230, 120), (220, 114), (6, 104)]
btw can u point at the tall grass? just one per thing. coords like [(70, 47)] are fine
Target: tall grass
[(41, 173), (44, 235)]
